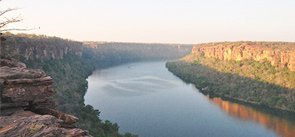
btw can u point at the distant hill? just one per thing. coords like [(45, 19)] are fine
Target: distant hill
[(116, 52), (40, 47)]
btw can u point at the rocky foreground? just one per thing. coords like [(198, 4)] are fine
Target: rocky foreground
[(27, 108)]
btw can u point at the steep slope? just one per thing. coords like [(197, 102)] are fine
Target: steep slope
[(253, 72), (279, 54), (34, 47), (69, 63), (69, 69)]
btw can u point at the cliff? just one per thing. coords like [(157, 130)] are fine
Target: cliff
[(27, 108), (259, 73), (279, 54), (69, 63), (37, 48), (34, 47)]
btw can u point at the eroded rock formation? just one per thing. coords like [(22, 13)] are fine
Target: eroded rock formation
[(279, 54), (32, 47), (27, 108), (29, 124)]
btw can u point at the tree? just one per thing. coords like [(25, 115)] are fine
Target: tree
[(5, 21)]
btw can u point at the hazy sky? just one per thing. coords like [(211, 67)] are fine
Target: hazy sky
[(169, 21)]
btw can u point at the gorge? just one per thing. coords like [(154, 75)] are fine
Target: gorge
[(146, 98), (69, 63), (147, 68)]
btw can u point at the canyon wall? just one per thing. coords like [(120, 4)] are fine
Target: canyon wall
[(258, 73), (69, 63), (279, 54), (32, 47), (37, 47)]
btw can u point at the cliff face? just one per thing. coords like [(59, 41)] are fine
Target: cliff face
[(279, 54), (69, 63), (22, 85), (27, 108), (39, 48), (30, 47), (260, 73)]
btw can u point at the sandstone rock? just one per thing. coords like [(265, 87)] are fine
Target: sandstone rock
[(27, 108), (32, 47), (11, 63), (28, 124), (22, 85), (281, 55), (67, 119)]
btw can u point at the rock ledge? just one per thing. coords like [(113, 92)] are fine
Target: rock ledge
[(27, 107)]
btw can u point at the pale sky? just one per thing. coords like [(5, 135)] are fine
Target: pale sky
[(164, 21)]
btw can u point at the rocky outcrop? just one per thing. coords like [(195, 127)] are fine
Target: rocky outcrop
[(280, 55), (29, 124), (27, 108), (27, 87)]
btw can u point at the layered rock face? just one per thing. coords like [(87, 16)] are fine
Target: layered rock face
[(29, 124), (26, 105), (279, 54), (31, 47), (24, 87)]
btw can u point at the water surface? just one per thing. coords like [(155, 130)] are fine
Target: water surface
[(146, 99)]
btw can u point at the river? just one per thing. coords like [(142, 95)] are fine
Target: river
[(146, 99)]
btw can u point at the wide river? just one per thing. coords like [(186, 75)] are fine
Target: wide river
[(146, 99)]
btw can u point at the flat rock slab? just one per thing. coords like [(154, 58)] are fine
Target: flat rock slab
[(29, 124)]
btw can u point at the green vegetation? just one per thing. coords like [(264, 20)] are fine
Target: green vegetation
[(109, 54), (252, 72), (69, 63), (69, 76), (261, 71), (247, 81)]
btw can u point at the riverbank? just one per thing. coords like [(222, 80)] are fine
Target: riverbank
[(260, 73), (69, 63), (69, 75), (150, 100), (233, 86)]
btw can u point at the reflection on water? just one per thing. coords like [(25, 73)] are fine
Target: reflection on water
[(148, 100), (281, 126), (124, 87)]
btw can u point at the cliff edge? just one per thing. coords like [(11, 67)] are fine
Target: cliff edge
[(27, 108), (279, 54), (258, 73)]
